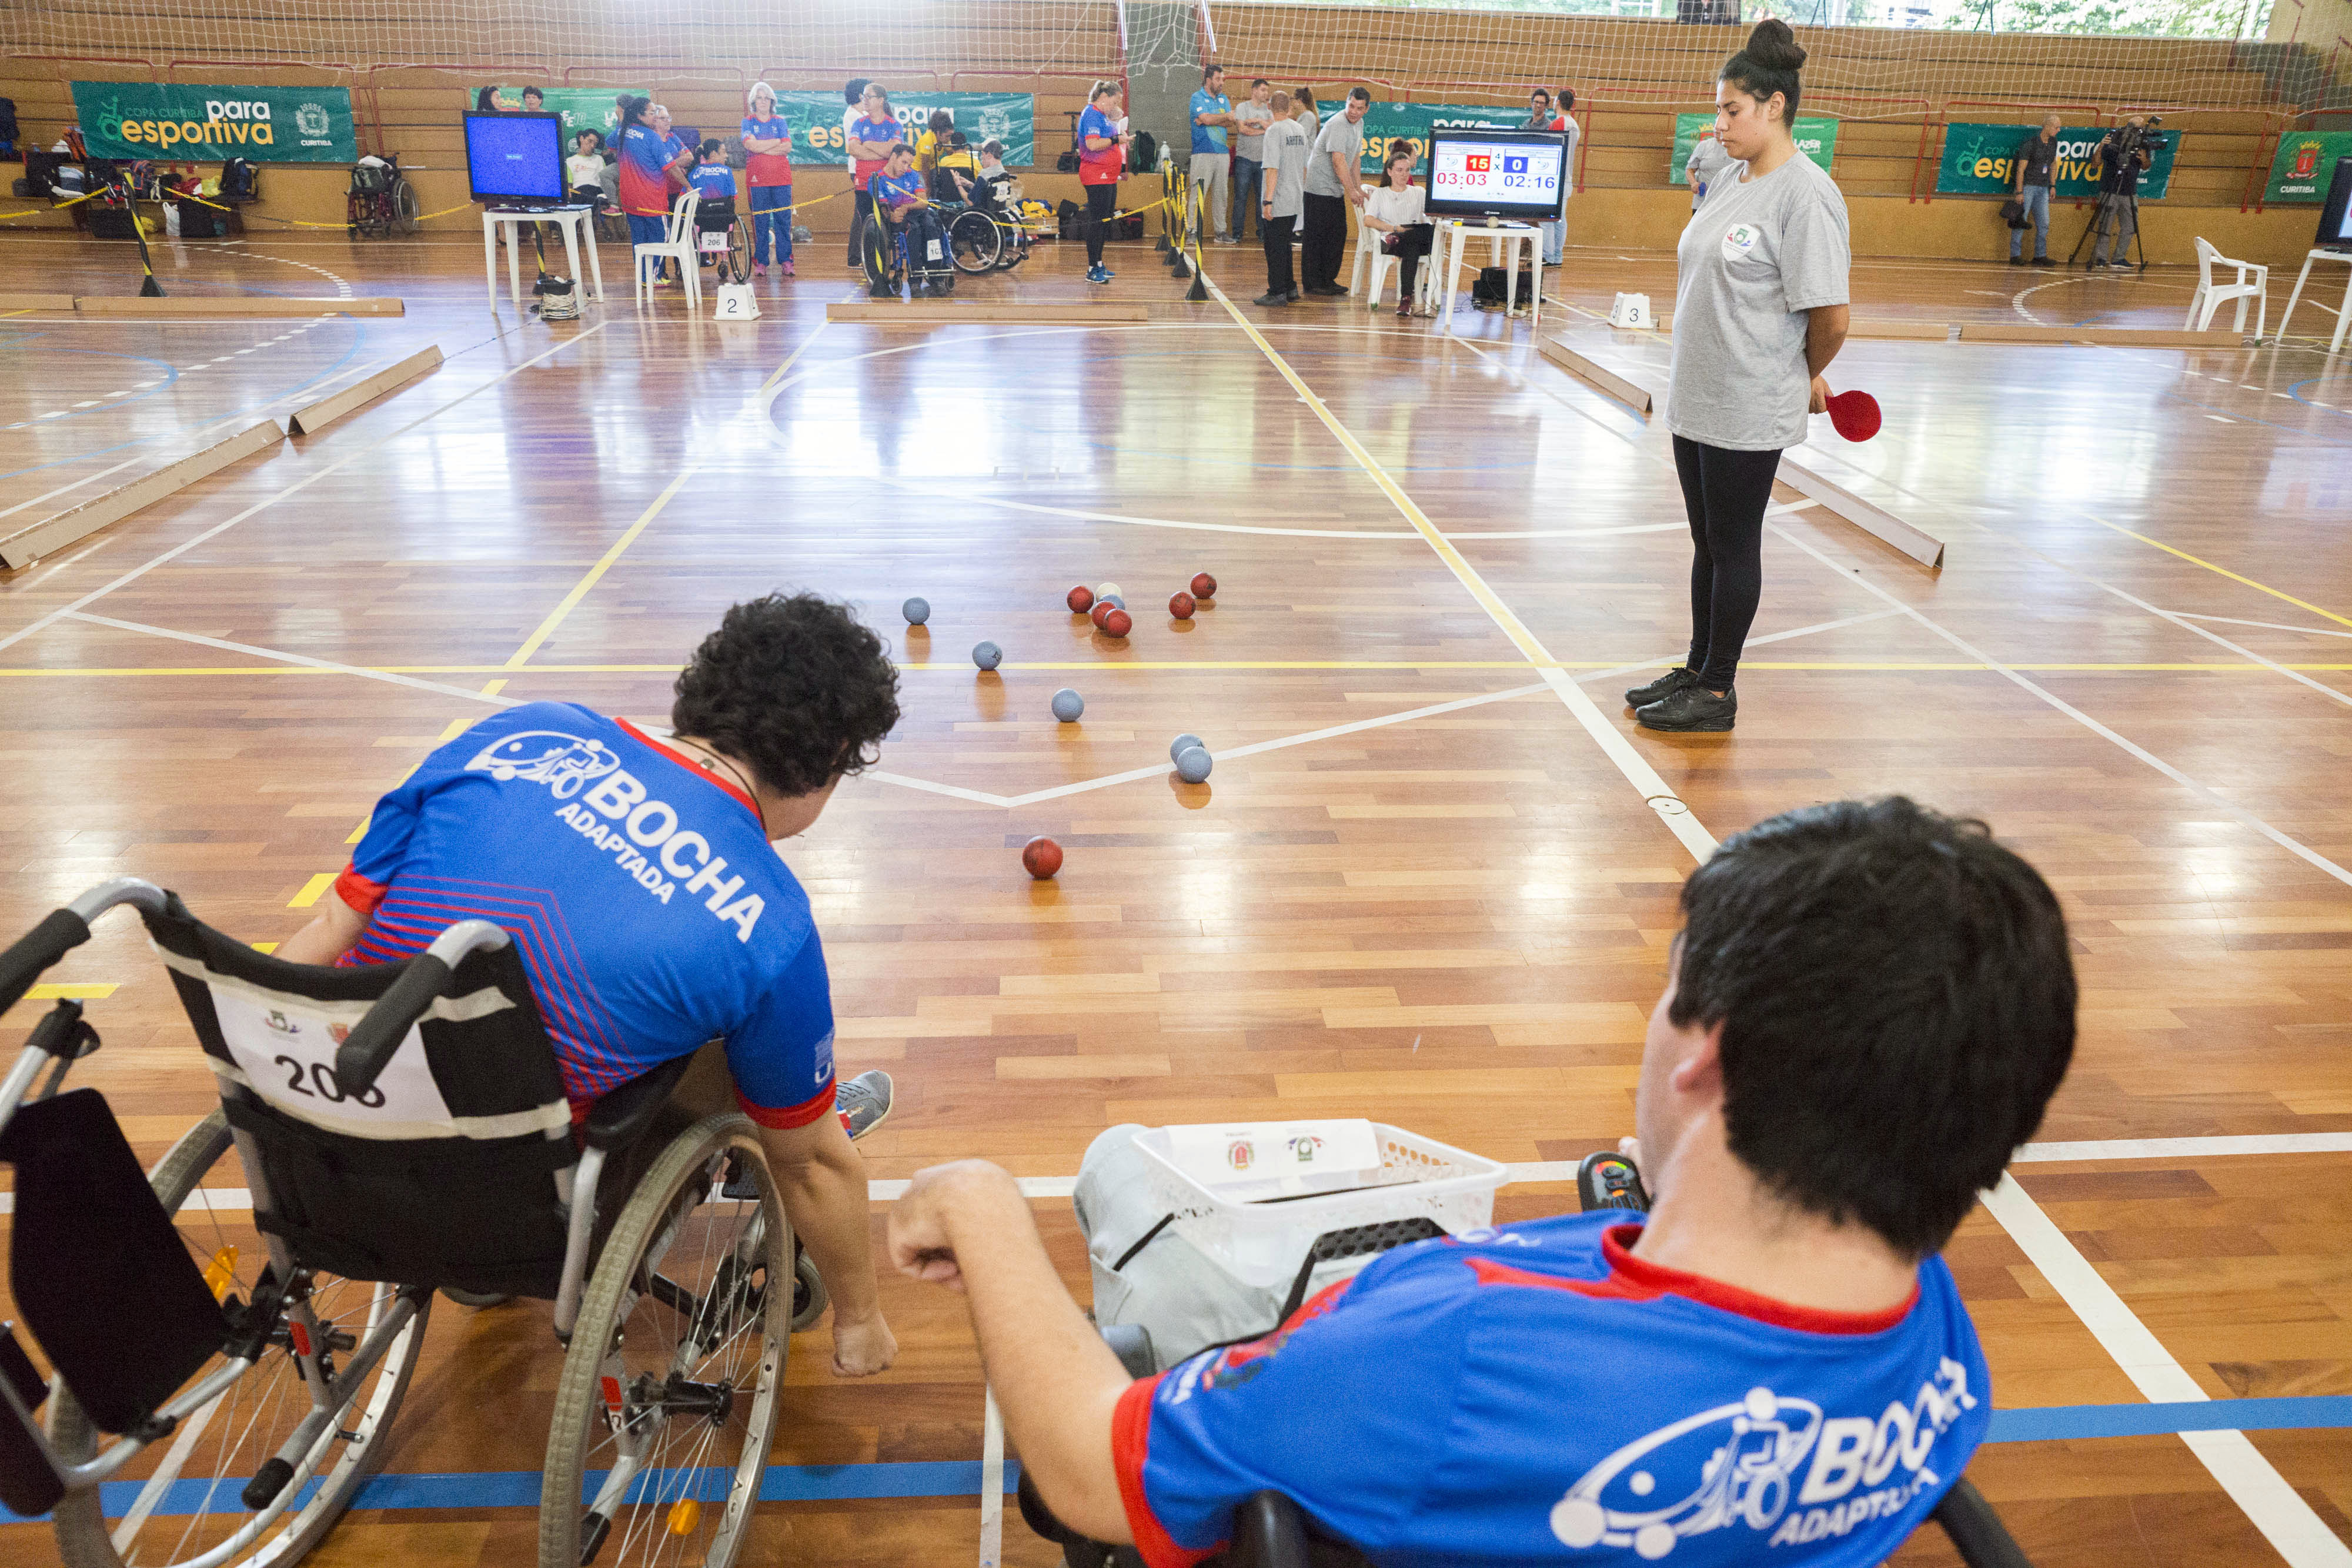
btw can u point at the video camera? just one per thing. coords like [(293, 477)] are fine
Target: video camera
[(2129, 138)]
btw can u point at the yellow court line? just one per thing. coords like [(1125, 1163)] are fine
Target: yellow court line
[(70, 990), (312, 889), (2225, 571), (1210, 665)]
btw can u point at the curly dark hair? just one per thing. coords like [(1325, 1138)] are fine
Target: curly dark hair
[(794, 685)]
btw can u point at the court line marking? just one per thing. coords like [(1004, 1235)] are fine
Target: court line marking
[(991, 1481), (2265, 625), (1081, 514), (300, 661), (1672, 810), (293, 488), (2286, 1521), (1206, 666), (2223, 571)]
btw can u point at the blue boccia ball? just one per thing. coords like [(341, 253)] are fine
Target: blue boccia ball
[(916, 611), (1192, 765), (1068, 706), (987, 655), (1183, 743)]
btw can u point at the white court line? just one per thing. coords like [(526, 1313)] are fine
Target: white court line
[(94, 595), (301, 659), (2286, 1521), (2265, 625), (967, 496), (991, 1483)]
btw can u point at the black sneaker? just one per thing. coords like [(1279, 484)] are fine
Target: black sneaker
[(1271, 299), (1291, 293), (2017, 261), (2043, 261), (1691, 708), (1664, 686)]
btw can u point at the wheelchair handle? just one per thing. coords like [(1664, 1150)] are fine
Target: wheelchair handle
[(63, 930), (363, 1056)]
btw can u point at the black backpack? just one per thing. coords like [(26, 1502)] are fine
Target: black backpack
[(237, 179)]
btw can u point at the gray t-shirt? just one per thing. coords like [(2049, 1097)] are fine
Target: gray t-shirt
[(1286, 166), (1756, 256), (1250, 119), (1337, 136)]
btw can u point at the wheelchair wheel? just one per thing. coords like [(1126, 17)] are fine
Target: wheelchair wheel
[(403, 206), (178, 1502), (668, 1394), (737, 265), (974, 241), (809, 1297)]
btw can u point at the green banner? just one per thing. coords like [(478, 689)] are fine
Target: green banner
[(1981, 160), (595, 109), (1007, 117), (2305, 164), (1816, 138), (132, 120), (1384, 122)]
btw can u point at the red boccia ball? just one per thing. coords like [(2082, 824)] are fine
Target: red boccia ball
[(1118, 624), (1205, 587), (1042, 857), (1102, 607), (1179, 605), (1081, 600)]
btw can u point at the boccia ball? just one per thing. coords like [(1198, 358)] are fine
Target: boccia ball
[(1102, 608), (1114, 600), (1068, 706), (1081, 599), (1192, 765), (1183, 743), (1205, 587), (1107, 591), (1179, 605), (1042, 857), (987, 655), (916, 611), (1118, 624)]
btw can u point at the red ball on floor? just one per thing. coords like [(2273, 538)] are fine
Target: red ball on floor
[(1081, 600), (1179, 605), (1119, 622), (1205, 587), (1102, 607), (1042, 856)]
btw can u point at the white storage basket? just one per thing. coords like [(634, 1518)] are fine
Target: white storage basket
[(1262, 1243)]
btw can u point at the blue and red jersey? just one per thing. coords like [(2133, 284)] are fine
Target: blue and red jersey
[(644, 188), (898, 190), (866, 130), (713, 180), (1540, 1395), (651, 912), (767, 170), (1099, 166)]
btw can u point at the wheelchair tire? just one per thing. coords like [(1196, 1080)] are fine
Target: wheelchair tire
[(403, 206), (669, 1263), (809, 1297), (974, 241), (251, 1419), (738, 263)]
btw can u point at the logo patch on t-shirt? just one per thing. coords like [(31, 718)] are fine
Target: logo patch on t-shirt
[(1739, 241)]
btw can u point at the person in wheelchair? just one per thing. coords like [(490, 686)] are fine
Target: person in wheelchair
[(714, 183), (955, 173), (1866, 1010), (904, 232), (634, 872)]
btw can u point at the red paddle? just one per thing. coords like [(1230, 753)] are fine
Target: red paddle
[(1856, 414)]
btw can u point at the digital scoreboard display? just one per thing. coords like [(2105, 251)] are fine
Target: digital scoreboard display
[(1516, 174)]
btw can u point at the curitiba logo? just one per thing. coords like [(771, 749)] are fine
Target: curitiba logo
[(311, 120)]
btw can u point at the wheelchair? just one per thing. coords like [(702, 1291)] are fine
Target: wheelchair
[(888, 264), (983, 235), (1271, 1530), (723, 240), (381, 201), (228, 1359)]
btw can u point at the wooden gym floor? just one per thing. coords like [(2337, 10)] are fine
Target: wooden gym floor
[(1432, 880)]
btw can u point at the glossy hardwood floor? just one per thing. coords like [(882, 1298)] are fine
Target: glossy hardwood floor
[(1451, 914)]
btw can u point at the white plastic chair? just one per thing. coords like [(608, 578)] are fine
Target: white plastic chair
[(679, 246), (1368, 244), (2211, 296)]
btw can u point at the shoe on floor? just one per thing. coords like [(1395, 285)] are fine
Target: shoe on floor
[(785, 268), (1661, 688), (864, 1101), (1291, 293), (758, 269), (1691, 709), (1404, 307), (1271, 299), (2017, 261), (1329, 291), (2043, 261), (1097, 274)]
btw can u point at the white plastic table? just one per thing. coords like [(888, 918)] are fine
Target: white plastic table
[(574, 220), (1453, 234), (2341, 310)]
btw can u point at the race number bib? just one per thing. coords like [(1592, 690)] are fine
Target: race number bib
[(714, 239), (287, 1053)]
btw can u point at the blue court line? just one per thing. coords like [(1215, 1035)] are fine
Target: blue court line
[(961, 1478)]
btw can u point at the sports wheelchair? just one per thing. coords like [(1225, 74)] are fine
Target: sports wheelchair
[(983, 235), (231, 1338), (1271, 1530), (888, 263), (723, 240)]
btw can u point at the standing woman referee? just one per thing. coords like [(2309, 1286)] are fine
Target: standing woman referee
[(1760, 311)]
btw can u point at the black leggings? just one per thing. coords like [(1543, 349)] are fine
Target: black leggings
[(1725, 494), (1101, 202)]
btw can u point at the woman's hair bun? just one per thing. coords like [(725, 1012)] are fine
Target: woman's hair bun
[(1772, 46)]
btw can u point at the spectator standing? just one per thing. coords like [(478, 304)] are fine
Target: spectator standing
[(1279, 204), (868, 139), (1251, 116), (1335, 181), (2119, 172), (767, 169), (1212, 116), (1708, 158), (1398, 211), (1542, 116), (1760, 311), (1302, 110), (1565, 103), (1102, 157), (2037, 163), (933, 141), (644, 163)]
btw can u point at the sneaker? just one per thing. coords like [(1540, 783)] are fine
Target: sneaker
[(1661, 688), (784, 268), (2043, 261), (2017, 261), (864, 1103), (758, 269), (1404, 307), (1693, 708), (1097, 274), (1291, 294), (1270, 300), (1329, 291), (1225, 239)]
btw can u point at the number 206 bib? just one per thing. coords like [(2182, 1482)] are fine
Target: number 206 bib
[(287, 1052)]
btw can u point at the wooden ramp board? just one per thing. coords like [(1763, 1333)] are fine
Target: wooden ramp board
[(1918, 543), (1599, 376), (27, 545), (996, 312), (239, 305), (309, 421), (36, 301), (2113, 337)]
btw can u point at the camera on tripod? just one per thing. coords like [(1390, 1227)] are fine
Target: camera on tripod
[(2131, 139)]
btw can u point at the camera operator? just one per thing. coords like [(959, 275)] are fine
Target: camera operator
[(2123, 154)]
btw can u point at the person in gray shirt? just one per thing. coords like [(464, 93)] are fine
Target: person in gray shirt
[(1335, 180), (1760, 311), (1280, 202), (1707, 160), (1252, 115)]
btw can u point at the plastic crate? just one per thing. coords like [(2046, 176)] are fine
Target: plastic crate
[(1262, 1243)]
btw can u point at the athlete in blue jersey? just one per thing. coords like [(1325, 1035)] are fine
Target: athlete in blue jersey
[(1868, 1007), (635, 873)]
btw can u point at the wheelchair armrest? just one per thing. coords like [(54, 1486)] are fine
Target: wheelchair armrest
[(1976, 1530), (1269, 1531), (620, 1118)]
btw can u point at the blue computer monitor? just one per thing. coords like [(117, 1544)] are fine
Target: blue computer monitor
[(515, 159), (1520, 174)]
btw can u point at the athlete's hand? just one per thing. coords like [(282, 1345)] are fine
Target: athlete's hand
[(921, 1233), (863, 1349), (1821, 394)]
